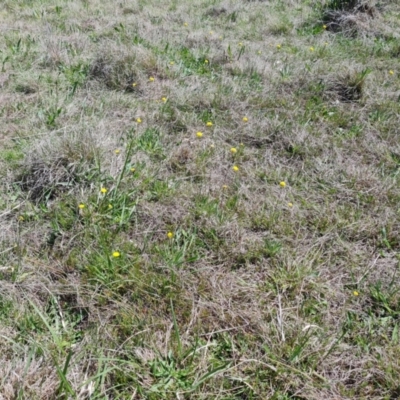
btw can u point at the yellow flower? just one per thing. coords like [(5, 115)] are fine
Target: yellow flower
[(164, 99), (245, 119), (117, 151), (81, 206), (282, 184), (391, 72), (233, 150), (278, 46), (21, 218), (211, 32), (110, 206), (170, 235), (209, 123), (290, 204), (116, 254), (205, 61), (134, 84), (240, 44), (103, 190), (133, 169), (235, 168), (311, 48), (241, 145), (138, 120), (185, 24), (212, 146), (355, 293), (151, 79), (199, 134), (171, 63), (324, 26), (225, 187), (259, 52)]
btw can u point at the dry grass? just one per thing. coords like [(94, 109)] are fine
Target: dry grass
[(281, 278)]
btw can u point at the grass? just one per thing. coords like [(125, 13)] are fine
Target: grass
[(140, 259)]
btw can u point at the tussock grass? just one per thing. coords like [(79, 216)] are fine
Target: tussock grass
[(200, 200)]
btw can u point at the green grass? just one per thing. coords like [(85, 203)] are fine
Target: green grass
[(137, 262)]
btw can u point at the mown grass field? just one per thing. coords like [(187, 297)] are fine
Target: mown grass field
[(200, 199)]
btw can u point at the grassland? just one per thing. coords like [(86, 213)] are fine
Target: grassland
[(200, 199)]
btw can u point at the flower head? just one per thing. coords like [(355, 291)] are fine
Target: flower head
[(206, 61), (134, 84), (290, 205), (282, 184), (81, 206), (259, 52), (355, 293), (171, 63), (235, 168), (151, 79), (116, 254), (240, 44), (233, 150), (117, 151), (391, 72), (138, 120), (185, 24), (209, 123), (170, 235), (278, 46), (211, 32), (225, 187), (164, 99), (311, 48), (110, 207), (103, 190), (133, 169), (199, 134), (245, 119)]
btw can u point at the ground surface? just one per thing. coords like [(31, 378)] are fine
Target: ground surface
[(200, 199)]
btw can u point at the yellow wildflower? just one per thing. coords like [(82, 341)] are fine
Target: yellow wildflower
[(133, 169), (171, 63), (233, 150), (290, 204), (324, 26), (235, 168), (209, 123), (278, 46), (185, 24), (164, 99), (170, 235), (103, 190), (311, 48), (391, 72), (81, 206), (245, 119), (116, 254), (138, 120), (282, 184), (355, 293), (199, 134), (117, 151), (134, 84), (110, 206), (205, 61), (151, 79)]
